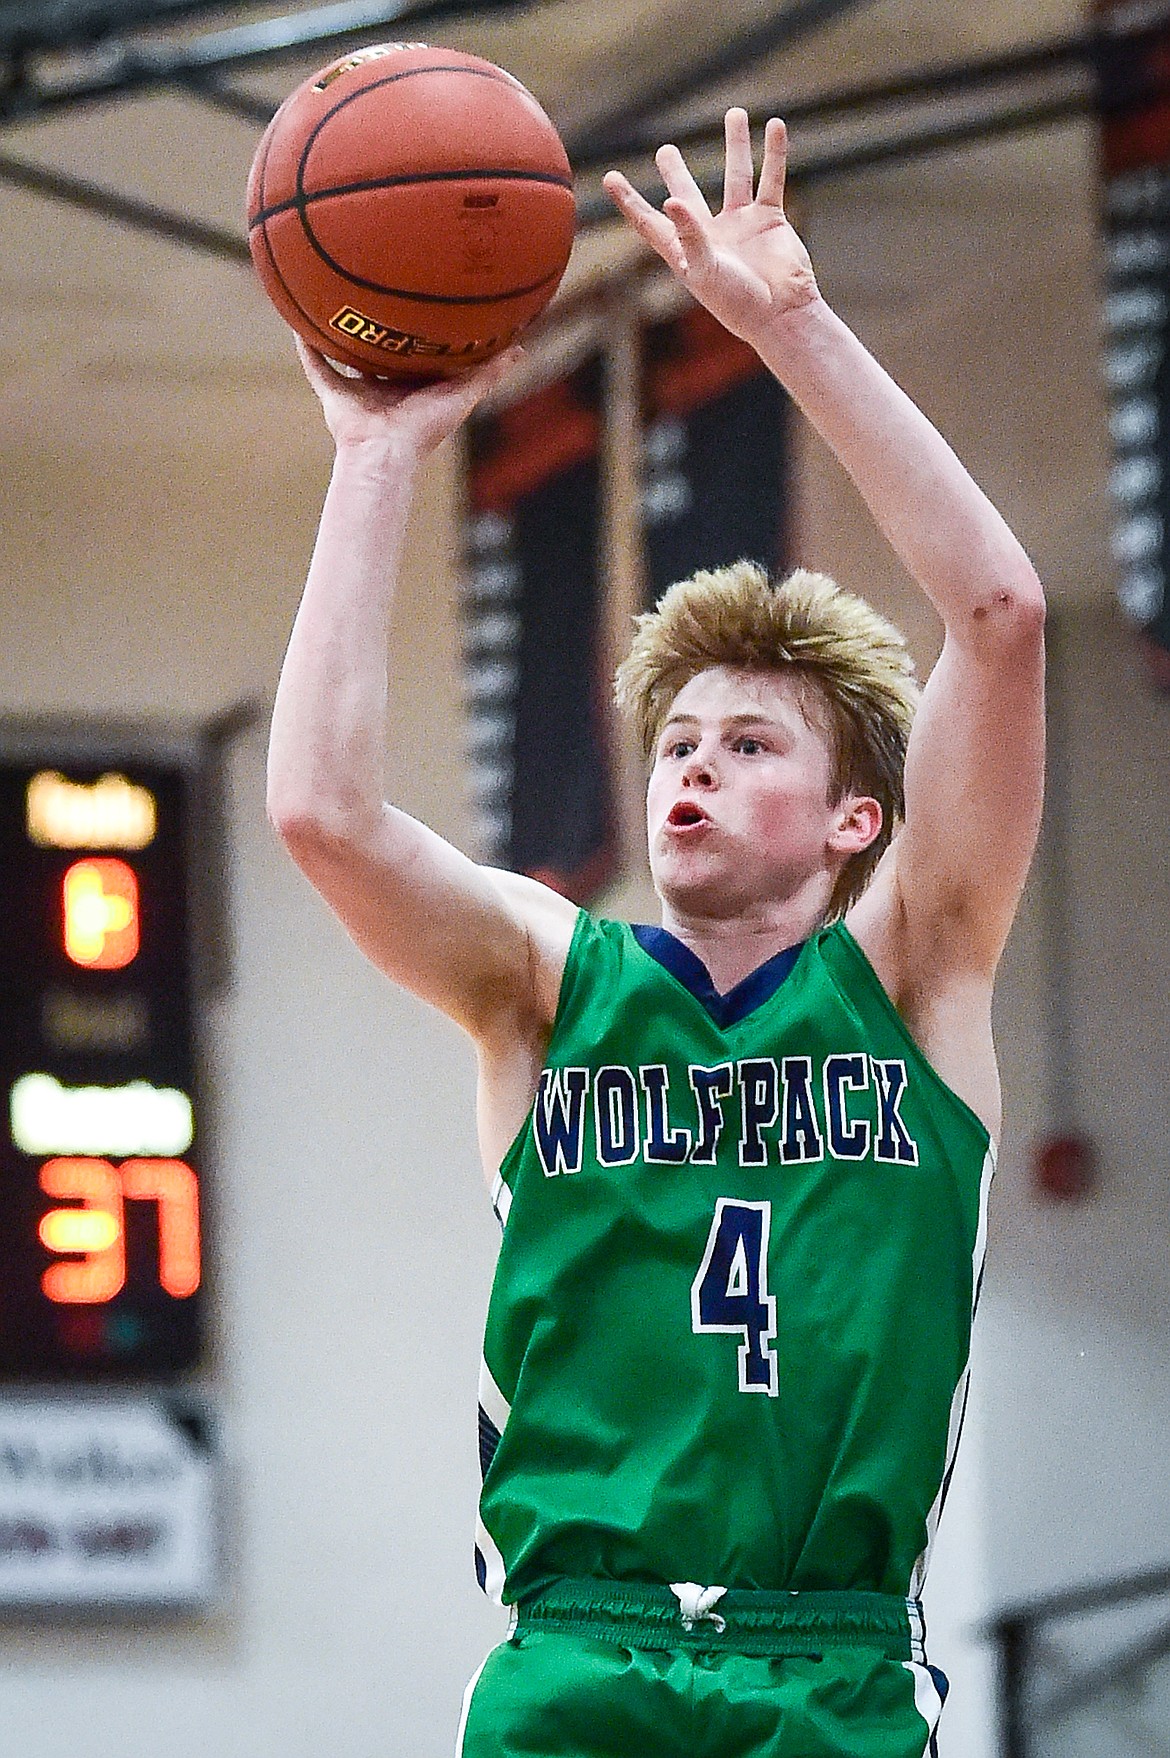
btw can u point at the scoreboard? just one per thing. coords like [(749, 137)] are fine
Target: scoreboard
[(101, 1200)]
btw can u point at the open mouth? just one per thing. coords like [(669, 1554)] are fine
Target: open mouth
[(686, 813)]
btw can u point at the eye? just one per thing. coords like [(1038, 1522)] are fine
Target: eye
[(679, 748), (749, 745)]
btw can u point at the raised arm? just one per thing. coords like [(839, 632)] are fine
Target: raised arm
[(940, 907), (480, 945)]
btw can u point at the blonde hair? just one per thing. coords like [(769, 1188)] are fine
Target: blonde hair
[(853, 659)]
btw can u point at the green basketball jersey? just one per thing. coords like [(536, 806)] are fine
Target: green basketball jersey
[(729, 1331)]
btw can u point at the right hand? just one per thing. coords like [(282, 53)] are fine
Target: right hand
[(746, 264), (418, 418)]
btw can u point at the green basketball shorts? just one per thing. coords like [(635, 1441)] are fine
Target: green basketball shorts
[(602, 1669)]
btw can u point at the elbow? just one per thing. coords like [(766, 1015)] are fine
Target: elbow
[(302, 826), (1015, 609), (289, 805), (298, 826), (318, 838), (1029, 605)]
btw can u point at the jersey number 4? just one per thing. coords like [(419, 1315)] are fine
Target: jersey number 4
[(730, 1292)]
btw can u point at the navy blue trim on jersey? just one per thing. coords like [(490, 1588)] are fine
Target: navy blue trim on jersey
[(688, 969), (489, 1440)]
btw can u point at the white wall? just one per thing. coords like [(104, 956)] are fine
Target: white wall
[(1078, 1299)]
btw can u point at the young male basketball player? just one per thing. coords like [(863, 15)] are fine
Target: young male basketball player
[(741, 1159)]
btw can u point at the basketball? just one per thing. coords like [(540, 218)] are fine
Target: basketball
[(410, 210)]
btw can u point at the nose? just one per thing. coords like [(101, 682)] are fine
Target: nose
[(699, 769)]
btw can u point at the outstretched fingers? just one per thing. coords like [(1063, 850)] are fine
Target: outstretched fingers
[(657, 231), (738, 170), (774, 169), (676, 174), (679, 232)]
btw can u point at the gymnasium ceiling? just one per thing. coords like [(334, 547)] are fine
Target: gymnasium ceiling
[(109, 325)]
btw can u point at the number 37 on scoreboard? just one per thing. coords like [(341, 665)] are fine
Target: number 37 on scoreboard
[(93, 1235)]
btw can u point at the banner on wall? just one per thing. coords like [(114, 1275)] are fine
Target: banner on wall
[(107, 1503), (1134, 101), (713, 452), (532, 617)]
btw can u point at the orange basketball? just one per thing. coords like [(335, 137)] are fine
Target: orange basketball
[(410, 210)]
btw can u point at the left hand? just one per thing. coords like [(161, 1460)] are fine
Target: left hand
[(746, 263)]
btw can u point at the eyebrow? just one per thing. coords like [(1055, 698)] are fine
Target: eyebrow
[(757, 719)]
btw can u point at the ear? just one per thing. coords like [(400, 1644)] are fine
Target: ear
[(859, 821)]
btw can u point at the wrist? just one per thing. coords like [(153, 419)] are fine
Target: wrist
[(803, 343), (770, 327), (389, 458), (801, 325)]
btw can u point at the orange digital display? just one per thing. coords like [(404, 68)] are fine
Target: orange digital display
[(93, 1236), (101, 914), (174, 1187), (100, 1270), (101, 1138)]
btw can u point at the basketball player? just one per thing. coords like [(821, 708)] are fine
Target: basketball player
[(741, 1159)]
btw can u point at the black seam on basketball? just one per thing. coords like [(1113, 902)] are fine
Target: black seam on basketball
[(330, 340), (271, 255), (267, 146), (474, 172), (409, 292), (497, 75)]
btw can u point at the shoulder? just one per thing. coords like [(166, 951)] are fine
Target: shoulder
[(942, 994), (549, 921)]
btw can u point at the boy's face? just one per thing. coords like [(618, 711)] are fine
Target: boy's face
[(737, 807)]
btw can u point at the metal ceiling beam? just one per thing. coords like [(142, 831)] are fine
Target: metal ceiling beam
[(272, 39), (901, 148), (122, 67), (143, 216), (65, 24), (213, 92), (1082, 51), (837, 105), (904, 149), (795, 20)]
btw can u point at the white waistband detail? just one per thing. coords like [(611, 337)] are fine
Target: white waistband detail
[(695, 1602)]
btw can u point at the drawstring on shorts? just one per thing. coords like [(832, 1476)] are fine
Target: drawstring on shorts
[(695, 1603)]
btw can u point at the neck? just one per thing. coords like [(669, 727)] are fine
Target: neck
[(733, 947)]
